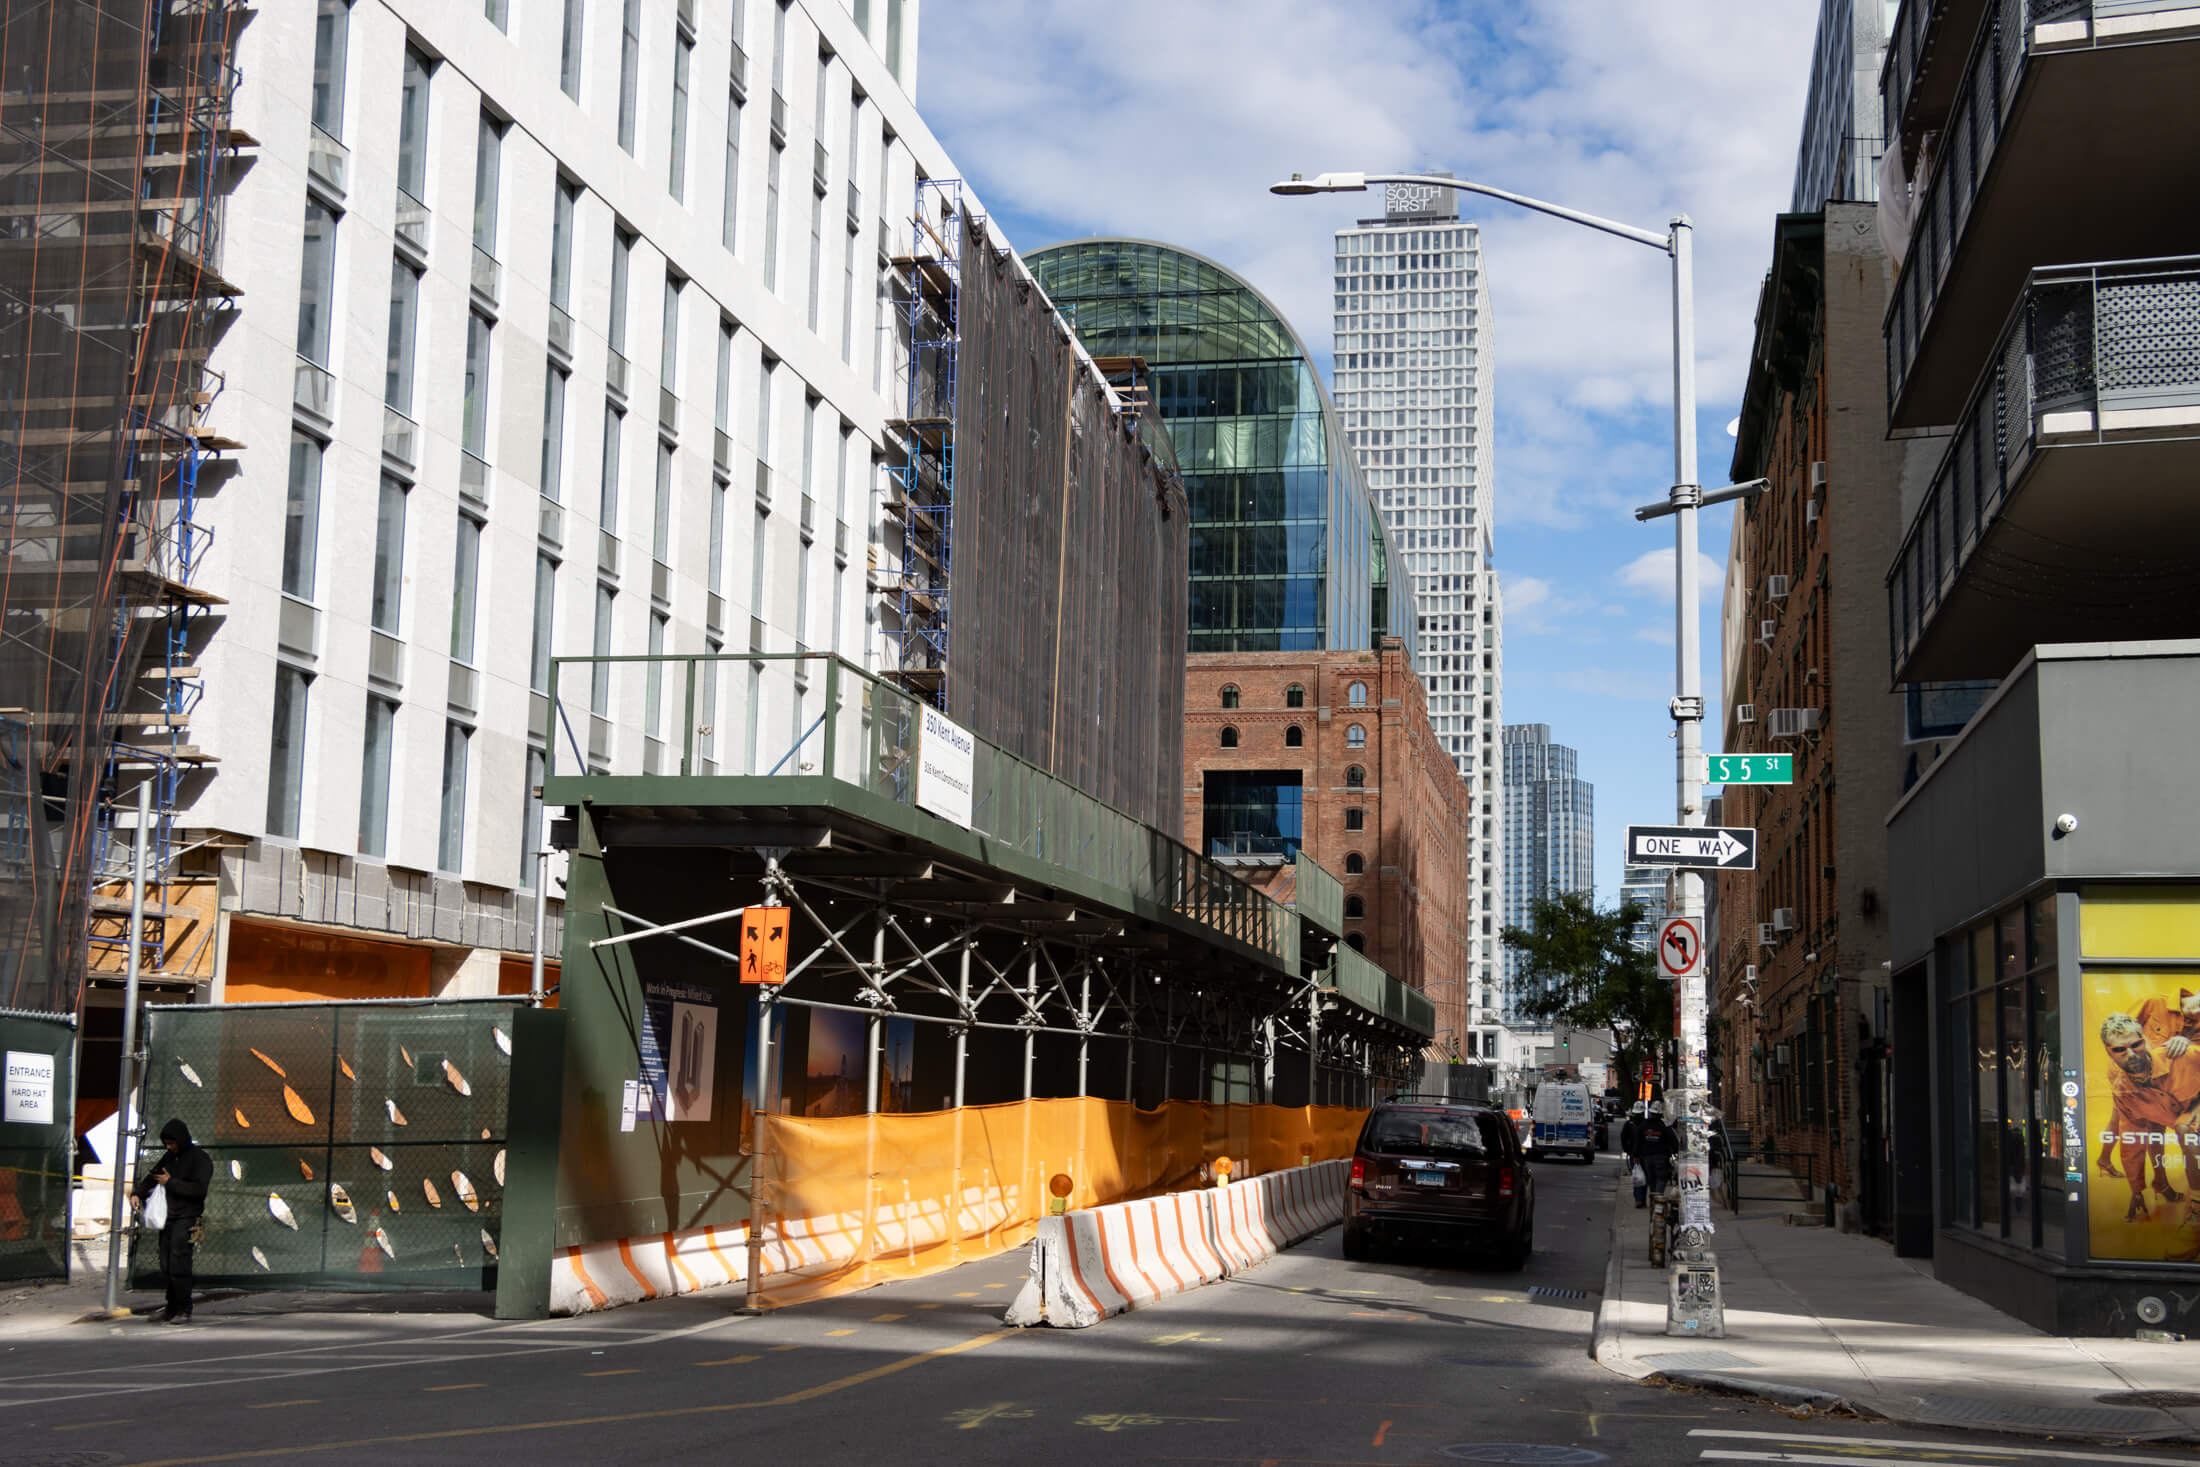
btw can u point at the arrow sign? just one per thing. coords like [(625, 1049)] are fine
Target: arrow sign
[(1680, 948), (1726, 848)]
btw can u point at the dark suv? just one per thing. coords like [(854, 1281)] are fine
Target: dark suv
[(1436, 1168)]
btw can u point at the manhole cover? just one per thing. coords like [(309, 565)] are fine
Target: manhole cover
[(1699, 1360), (1521, 1452), (1550, 1293), (2161, 1400), (2068, 1418)]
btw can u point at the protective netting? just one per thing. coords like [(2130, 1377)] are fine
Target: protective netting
[(858, 1200), (355, 1145)]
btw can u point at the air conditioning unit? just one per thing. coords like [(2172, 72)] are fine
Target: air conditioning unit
[(1749, 972), (1745, 712), (1766, 936), (1810, 514), (1776, 588), (1776, 1063), (1783, 919), (1793, 723), (1765, 629), (1817, 475)]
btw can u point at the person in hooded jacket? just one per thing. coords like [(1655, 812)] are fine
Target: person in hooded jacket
[(186, 1171)]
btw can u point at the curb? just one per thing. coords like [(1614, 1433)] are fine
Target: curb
[(1603, 1344)]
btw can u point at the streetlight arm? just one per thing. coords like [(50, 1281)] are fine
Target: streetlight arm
[(1357, 182)]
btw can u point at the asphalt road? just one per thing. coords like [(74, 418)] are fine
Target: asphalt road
[(1409, 1359)]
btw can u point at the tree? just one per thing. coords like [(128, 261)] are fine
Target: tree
[(1588, 973)]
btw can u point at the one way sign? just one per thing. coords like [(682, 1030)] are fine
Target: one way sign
[(1726, 848)]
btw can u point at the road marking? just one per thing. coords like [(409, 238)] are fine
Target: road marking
[(632, 1370), (1382, 1314), (510, 1428), (1878, 1458), (1788, 1437), (836, 1333), (272, 1405), (777, 1348), (89, 1425), (1380, 1432), (1188, 1337), (969, 1294), (472, 1386), (887, 1318), (970, 1418), (731, 1360), (928, 1306)]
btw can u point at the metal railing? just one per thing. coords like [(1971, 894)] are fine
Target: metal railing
[(1320, 895), (2083, 341), (1993, 73), (814, 715)]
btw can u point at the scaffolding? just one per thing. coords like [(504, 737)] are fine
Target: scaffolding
[(921, 497), (116, 151)]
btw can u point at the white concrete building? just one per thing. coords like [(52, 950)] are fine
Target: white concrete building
[(568, 329), (1414, 369)]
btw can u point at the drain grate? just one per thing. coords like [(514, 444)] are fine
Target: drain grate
[(1545, 1291), (1963, 1409), (2160, 1400), (1699, 1360)]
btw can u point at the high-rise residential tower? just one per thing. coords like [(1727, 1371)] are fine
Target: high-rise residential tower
[(1550, 841), (1413, 383)]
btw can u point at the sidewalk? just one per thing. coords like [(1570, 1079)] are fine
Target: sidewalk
[(1818, 1317)]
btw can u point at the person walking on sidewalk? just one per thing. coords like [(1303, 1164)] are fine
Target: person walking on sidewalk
[(1630, 1145), (1658, 1143), (183, 1172)]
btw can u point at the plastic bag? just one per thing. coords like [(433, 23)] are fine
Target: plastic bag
[(156, 1208), (1640, 1179)]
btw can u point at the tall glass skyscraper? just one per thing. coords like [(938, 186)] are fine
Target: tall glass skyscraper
[(1288, 554), (1550, 837), (1414, 361)]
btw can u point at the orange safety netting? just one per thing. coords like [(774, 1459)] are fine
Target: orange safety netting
[(853, 1201)]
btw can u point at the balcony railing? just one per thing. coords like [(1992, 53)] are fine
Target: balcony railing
[(487, 279), (2090, 350), (412, 225), (819, 718), (2009, 36), (561, 332), (313, 390), (328, 160)]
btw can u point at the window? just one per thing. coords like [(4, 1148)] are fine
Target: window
[(893, 37), (683, 60), (562, 209), (465, 582), (539, 650), (1294, 696), (397, 382), (554, 383), (488, 164), (302, 516), (569, 51), (729, 228), (771, 216), (630, 65), (622, 266), (767, 383), (779, 46), (330, 23), (450, 848), (599, 647), (476, 418), (389, 555), (653, 677), (286, 765), (714, 585), (607, 493), (495, 10), (668, 356), (661, 534), (412, 127), (1354, 909), (1230, 696), (1229, 738), (1356, 695), (1355, 864), (817, 253), (848, 298), (721, 415), (1355, 778), (1294, 737), (1355, 737), (374, 777), (317, 283), (1356, 941), (1355, 819)]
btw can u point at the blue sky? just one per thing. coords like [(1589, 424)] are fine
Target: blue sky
[(1168, 119)]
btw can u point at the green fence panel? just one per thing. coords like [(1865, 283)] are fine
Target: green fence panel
[(34, 1145)]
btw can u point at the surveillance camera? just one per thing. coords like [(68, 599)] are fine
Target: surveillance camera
[(2064, 824)]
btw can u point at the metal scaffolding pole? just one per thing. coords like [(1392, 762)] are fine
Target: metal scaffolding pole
[(123, 1116)]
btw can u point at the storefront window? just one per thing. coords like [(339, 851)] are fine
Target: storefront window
[(2003, 1009), (2051, 1155), (1986, 1074)]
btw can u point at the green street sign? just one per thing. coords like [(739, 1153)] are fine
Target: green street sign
[(1751, 769)]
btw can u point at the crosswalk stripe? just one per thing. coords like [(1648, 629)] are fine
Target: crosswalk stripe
[(1947, 1452)]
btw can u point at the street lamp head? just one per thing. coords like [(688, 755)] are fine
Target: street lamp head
[(1321, 183)]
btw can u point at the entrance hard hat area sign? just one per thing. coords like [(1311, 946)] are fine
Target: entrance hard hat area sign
[(1721, 848), (1680, 948)]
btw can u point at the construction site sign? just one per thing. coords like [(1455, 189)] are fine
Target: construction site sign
[(764, 945), (946, 767)]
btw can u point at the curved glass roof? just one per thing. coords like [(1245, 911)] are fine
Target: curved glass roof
[(1288, 552)]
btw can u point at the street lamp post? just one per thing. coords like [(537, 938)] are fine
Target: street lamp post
[(1693, 1301)]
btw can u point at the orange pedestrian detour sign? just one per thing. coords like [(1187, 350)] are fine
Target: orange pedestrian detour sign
[(764, 945)]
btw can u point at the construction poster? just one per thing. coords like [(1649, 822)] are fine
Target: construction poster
[(679, 1050), (2142, 1110)]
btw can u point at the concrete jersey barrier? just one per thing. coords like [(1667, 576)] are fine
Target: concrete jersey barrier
[(1089, 1264)]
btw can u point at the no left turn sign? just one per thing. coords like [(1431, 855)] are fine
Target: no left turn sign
[(1680, 948)]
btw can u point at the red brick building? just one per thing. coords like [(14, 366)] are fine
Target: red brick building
[(1332, 753)]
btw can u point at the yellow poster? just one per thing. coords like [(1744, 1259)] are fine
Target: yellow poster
[(2142, 1108)]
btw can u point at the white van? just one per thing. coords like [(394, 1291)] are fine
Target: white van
[(1563, 1121)]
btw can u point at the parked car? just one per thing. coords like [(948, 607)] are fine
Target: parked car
[(1447, 1172)]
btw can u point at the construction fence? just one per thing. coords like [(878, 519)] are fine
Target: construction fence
[(854, 1201), (35, 1127)]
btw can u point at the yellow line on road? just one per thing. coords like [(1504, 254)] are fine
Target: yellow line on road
[(792, 1398), (88, 1425), (836, 1333), (731, 1360), (887, 1318), (632, 1370), (272, 1405), (470, 1386)]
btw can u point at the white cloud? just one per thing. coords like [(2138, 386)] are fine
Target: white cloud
[(1651, 574)]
